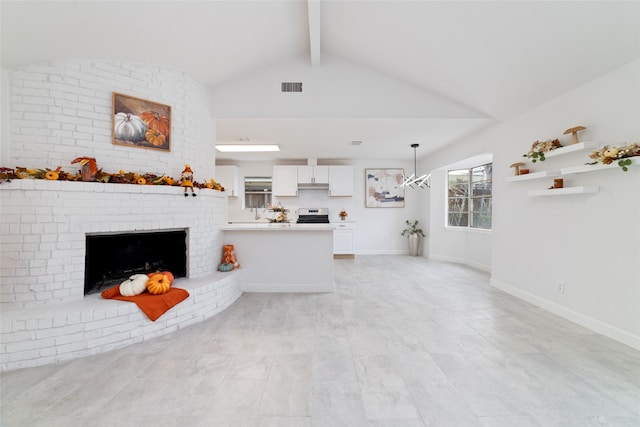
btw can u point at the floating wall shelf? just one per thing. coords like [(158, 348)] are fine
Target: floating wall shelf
[(570, 170), (598, 167), (564, 191), (535, 175), (571, 148)]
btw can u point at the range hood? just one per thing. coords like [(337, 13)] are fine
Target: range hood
[(313, 186)]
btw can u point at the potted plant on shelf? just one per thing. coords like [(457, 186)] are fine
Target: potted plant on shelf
[(413, 233)]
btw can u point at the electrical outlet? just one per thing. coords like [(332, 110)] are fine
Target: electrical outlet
[(560, 286)]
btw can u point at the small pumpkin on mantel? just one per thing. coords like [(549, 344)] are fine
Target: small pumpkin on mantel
[(166, 273), (224, 267), (158, 284), (133, 286)]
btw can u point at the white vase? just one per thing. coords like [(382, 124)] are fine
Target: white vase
[(414, 244)]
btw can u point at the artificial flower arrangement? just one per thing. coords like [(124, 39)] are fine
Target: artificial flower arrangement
[(282, 213), (121, 177), (607, 155), (538, 149)]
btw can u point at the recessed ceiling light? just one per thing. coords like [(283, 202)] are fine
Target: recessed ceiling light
[(246, 148)]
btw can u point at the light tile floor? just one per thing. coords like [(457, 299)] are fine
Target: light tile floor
[(403, 342)]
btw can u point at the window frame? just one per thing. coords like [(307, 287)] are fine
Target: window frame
[(469, 212), (266, 194)]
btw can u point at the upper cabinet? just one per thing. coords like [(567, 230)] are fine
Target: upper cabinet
[(227, 176), (313, 174), (285, 181), (340, 181)]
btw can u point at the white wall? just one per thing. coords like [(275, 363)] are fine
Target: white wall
[(361, 92), (61, 110), (378, 229), (590, 242), (467, 246)]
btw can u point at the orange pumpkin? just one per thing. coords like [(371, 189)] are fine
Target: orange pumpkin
[(52, 175), (141, 181), (156, 121), (158, 284), (155, 137), (166, 273), (169, 276)]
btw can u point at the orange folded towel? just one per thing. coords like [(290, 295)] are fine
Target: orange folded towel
[(153, 306), (111, 292)]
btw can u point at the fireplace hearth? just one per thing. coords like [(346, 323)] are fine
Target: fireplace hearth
[(112, 258)]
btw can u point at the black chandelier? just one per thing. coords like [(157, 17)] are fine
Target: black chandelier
[(421, 181)]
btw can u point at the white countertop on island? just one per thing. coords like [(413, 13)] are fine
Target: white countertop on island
[(276, 226)]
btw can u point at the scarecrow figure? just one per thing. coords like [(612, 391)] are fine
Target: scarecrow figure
[(186, 180), (89, 168)]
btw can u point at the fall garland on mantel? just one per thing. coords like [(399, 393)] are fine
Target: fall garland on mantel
[(98, 175)]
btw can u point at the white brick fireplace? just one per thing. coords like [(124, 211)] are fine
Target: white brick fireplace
[(45, 223), (45, 316), (53, 113)]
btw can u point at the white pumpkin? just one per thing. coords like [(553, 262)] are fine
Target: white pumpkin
[(129, 127), (611, 152), (135, 285)]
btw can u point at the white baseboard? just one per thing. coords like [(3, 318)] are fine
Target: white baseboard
[(383, 252), (481, 267), (586, 321)]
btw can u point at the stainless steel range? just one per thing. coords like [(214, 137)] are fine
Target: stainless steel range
[(313, 216)]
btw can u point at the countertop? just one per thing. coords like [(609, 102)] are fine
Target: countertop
[(277, 226)]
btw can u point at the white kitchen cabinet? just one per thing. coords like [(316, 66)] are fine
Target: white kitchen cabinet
[(343, 238), (227, 176), (340, 180), (285, 181), (309, 174)]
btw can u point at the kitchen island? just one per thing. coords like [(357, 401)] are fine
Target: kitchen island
[(283, 257)]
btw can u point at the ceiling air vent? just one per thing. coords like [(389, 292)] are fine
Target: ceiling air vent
[(291, 87)]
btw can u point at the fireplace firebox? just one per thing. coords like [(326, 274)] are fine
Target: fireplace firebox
[(112, 258)]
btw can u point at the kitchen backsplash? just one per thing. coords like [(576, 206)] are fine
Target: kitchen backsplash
[(305, 199)]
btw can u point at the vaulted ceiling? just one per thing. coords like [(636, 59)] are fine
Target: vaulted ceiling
[(389, 73)]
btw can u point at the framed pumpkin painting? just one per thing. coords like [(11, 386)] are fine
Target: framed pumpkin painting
[(141, 123)]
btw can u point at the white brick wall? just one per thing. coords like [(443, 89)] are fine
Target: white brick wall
[(61, 110), (44, 227)]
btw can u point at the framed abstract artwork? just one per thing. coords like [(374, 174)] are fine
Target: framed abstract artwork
[(384, 188), (141, 123)]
